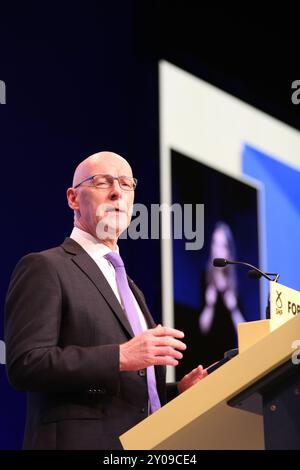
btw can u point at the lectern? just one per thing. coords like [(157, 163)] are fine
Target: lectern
[(251, 402)]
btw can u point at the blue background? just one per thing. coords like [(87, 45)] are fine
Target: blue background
[(281, 211)]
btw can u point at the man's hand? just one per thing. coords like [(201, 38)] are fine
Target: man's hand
[(156, 346), (191, 379)]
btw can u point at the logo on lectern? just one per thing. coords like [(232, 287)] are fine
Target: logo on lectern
[(279, 310)]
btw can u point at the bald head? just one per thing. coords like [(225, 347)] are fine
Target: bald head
[(98, 163)]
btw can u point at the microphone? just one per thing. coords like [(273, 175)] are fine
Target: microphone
[(254, 272), (256, 275)]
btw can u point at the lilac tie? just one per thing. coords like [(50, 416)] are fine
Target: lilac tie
[(133, 318)]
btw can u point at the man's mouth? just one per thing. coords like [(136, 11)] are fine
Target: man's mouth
[(115, 209)]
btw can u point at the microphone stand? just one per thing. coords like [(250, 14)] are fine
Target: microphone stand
[(254, 272)]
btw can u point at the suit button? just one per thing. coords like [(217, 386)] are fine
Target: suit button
[(143, 410), (142, 373)]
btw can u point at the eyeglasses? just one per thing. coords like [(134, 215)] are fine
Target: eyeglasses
[(106, 181)]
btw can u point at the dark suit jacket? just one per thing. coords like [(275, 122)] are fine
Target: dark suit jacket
[(63, 329)]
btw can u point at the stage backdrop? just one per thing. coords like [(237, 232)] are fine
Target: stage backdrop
[(207, 136)]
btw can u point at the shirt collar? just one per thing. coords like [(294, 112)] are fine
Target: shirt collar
[(94, 247)]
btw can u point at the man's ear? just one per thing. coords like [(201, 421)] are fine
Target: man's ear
[(72, 198)]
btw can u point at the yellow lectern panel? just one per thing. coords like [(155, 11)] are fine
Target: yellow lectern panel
[(201, 419)]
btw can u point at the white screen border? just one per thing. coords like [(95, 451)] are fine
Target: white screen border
[(211, 126)]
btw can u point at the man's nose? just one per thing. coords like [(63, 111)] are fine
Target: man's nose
[(115, 190)]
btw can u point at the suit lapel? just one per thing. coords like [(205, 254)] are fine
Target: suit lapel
[(141, 302), (92, 271)]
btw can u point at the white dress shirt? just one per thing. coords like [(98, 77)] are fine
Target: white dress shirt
[(96, 250)]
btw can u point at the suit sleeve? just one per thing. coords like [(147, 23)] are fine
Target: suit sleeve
[(35, 362)]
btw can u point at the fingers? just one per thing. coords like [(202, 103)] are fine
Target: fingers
[(171, 342), (192, 378), (168, 351), (166, 336), (196, 373), (165, 361), (167, 331), (198, 370)]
